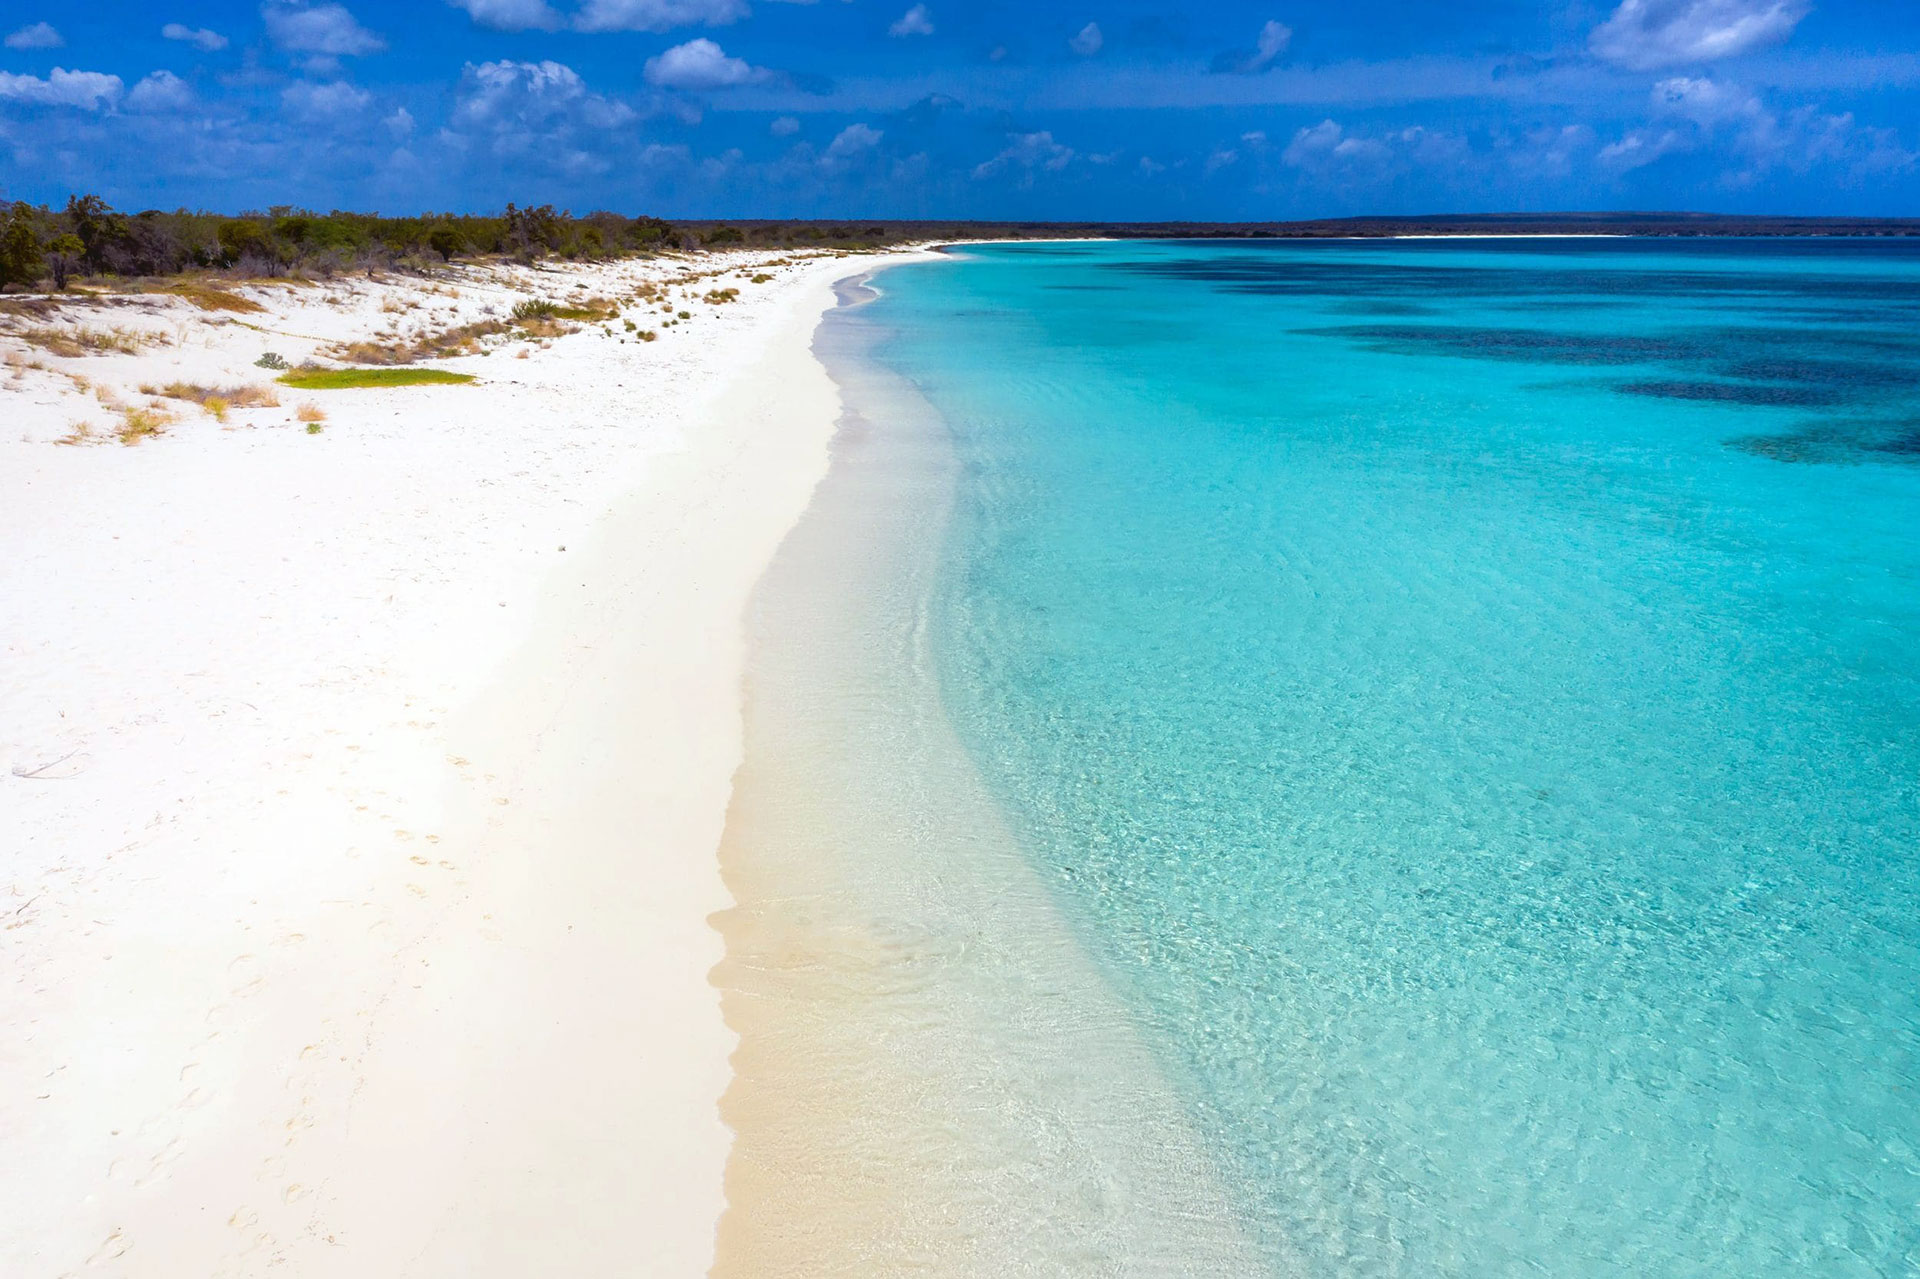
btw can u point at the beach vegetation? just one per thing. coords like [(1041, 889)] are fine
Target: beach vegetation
[(720, 297), (232, 397), (587, 311), (311, 414), (271, 360), (208, 298), (137, 424), (75, 342), (65, 253), (683, 315), (445, 344), (648, 335), (760, 277), (318, 379), (313, 428)]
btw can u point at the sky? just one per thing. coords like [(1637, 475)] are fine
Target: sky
[(1024, 109)]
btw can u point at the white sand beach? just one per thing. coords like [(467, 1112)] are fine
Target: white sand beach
[(360, 789)]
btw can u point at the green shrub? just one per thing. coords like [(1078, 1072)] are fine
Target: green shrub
[(350, 379)]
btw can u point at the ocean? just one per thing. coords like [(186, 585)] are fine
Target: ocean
[(1347, 758)]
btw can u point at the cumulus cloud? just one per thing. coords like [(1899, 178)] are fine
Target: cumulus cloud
[(309, 101), (784, 127), (1027, 153), (160, 92), (852, 141), (914, 22), (89, 90), (1329, 154), (1272, 41), (204, 39), (540, 115), (400, 124), (526, 96), (1695, 113), (1704, 101), (1326, 145), (511, 15), (40, 35), (657, 15), (700, 64), (1087, 41), (1644, 34), (328, 30)]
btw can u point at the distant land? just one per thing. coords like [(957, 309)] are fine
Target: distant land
[(765, 231), (42, 246)]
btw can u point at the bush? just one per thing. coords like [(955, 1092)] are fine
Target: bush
[(271, 360)]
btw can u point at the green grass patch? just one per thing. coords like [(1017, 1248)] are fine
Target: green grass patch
[(349, 379)]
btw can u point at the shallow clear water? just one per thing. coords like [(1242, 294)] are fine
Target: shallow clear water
[(1464, 697)]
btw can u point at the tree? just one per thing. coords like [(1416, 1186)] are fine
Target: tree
[(446, 241), (20, 260), (66, 252), (95, 222), (528, 228)]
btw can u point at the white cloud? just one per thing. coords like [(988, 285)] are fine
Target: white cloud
[(1644, 34), (1087, 41), (1641, 147), (203, 38), (327, 29), (914, 22), (400, 124), (784, 127), (1550, 152), (40, 35), (1716, 114), (1704, 101), (700, 64), (1027, 152), (1220, 159), (511, 15), (1150, 166), (853, 140), (1272, 41), (658, 15), (330, 101), (88, 89), (161, 91), (1326, 144), (525, 97)]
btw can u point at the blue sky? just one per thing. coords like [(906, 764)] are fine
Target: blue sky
[(998, 108)]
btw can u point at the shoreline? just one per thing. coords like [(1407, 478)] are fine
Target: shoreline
[(932, 1074), (357, 926)]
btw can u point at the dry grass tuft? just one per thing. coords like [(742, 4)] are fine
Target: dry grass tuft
[(310, 413), (231, 397), (78, 433), (465, 340), (208, 298), (137, 424), (70, 344)]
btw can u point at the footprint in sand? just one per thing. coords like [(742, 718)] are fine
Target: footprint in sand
[(113, 1246)]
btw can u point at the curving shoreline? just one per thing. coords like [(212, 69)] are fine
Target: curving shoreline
[(932, 1076)]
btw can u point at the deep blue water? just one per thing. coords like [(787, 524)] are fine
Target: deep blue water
[(1466, 695)]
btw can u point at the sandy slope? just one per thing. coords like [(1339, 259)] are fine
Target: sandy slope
[(359, 791)]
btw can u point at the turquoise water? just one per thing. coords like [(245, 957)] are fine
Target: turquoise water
[(1466, 698)]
